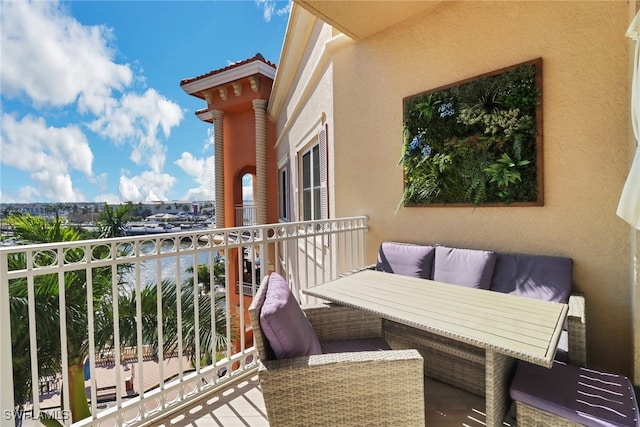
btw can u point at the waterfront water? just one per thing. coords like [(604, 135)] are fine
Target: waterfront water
[(168, 266)]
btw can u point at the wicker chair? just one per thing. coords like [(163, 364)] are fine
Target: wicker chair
[(372, 388)]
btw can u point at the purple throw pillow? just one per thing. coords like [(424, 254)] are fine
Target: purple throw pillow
[(284, 324), (406, 259), (547, 278), (465, 267)]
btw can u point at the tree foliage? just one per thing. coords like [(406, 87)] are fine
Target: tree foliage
[(112, 221), (203, 309)]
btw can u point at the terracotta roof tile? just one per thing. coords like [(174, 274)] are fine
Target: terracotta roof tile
[(257, 57)]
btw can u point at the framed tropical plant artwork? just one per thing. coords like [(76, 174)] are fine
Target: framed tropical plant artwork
[(477, 142)]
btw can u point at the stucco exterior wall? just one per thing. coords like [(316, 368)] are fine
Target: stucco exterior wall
[(308, 107), (585, 128)]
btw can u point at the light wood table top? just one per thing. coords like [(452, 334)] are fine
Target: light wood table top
[(522, 328), (507, 327)]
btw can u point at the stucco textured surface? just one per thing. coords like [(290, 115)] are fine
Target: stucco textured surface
[(586, 136)]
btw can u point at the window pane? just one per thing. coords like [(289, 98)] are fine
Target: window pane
[(284, 194), (306, 205), (316, 166), (306, 170), (317, 211)]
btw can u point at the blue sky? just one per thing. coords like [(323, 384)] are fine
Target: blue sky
[(91, 104)]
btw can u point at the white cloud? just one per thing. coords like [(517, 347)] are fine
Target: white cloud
[(51, 60), (48, 153), (147, 186), (137, 119), (203, 172), (55, 60), (269, 8), (57, 187), (100, 180), (27, 194)]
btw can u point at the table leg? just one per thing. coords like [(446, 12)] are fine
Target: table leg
[(497, 373)]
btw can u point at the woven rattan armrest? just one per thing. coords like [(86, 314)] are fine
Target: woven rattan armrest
[(335, 322), (372, 388), (577, 329)]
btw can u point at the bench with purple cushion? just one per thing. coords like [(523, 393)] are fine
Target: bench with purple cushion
[(570, 396), (534, 276), (329, 365)]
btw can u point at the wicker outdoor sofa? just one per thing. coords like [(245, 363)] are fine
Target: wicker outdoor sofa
[(460, 364), (352, 379)]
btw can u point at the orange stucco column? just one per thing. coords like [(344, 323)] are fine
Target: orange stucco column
[(218, 129), (260, 107)]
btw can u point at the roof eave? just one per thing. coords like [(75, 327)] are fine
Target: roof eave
[(236, 73)]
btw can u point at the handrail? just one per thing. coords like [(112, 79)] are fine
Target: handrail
[(307, 253)]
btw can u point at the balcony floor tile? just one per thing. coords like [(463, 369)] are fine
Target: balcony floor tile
[(242, 405), (239, 405)]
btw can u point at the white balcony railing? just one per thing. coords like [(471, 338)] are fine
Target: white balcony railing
[(246, 215), (126, 301)]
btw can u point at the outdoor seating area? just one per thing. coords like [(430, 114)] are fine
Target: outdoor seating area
[(547, 278), (378, 325), (386, 346), (433, 337)]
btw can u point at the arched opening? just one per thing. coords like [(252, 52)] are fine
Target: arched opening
[(246, 212)]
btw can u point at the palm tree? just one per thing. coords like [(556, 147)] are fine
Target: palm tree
[(204, 275), (36, 229), (212, 341), (112, 222), (47, 320)]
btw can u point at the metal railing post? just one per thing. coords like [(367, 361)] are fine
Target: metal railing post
[(7, 404)]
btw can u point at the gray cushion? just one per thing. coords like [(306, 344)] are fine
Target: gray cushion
[(466, 267), (585, 396), (284, 324), (363, 344), (406, 259), (535, 276)]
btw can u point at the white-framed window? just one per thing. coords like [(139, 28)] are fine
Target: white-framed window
[(314, 202), (284, 184), (311, 184)]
